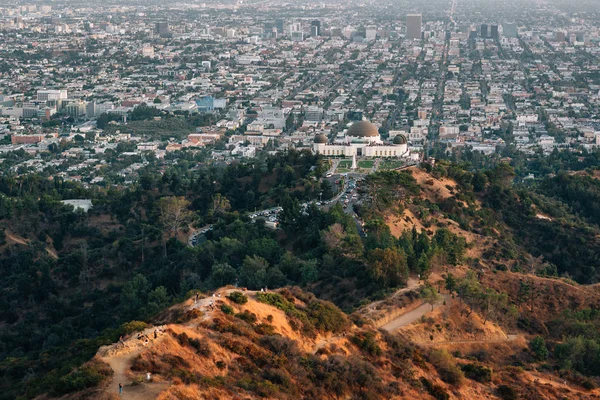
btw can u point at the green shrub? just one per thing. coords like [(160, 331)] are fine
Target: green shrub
[(297, 318), (507, 392), (184, 316), (444, 364), (227, 309), (276, 300), (221, 365), (327, 317), (88, 375), (589, 384), (264, 329), (477, 372), (247, 316), (200, 345), (238, 297), (366, 342), (132, 326), (436, 391)]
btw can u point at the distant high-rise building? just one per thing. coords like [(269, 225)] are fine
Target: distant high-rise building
[(268, 32), (473, 35), (297, 36), (494, 31), (315, 28), (279, 25), (560, 36), (414, 24), (162, 29), (509, 30), (484, 31)]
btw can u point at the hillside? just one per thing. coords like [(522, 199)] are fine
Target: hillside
[(442, 273), (257, 350)]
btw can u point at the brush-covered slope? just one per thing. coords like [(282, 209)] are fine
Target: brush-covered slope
[(287, 344)]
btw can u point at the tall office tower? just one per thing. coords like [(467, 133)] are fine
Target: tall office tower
[(413, 26), (268, 30), (315, 28), (560, 36), (509, 30), (295, 27), (484, 31), (494, 32), (297, 36), (279, 25), (162, 28)]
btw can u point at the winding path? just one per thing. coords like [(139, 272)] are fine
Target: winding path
[(120, 363)]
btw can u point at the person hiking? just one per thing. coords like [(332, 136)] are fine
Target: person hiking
[(155, 334), (148, 376), (197, 297), (120, 388)]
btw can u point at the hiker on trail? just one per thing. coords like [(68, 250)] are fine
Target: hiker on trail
[(262, 290), (120, 388), (148, 376), (219, 296), (155, 333), (196, 299), (214, 295)]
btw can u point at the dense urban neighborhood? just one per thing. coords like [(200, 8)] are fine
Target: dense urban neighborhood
[(96, 94)]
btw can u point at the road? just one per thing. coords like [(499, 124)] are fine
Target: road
[(192, 238), (508, 338), (438, 104), (411, 316)]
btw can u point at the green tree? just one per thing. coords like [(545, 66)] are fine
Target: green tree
[(388, 266), (173, 213), (451, 284), (158, 299), (537, 345), (219, 205), (222, 274), (429, 295), (479, 181), (134, 297), (291, 212), (253, 273)]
